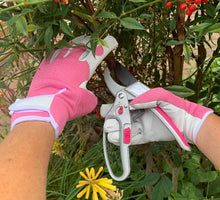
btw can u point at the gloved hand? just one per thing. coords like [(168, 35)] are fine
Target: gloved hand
[(187, 116), (58, 90)]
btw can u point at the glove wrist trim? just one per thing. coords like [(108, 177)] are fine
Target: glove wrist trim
[(200, 124), (34, 108), (37, 118)]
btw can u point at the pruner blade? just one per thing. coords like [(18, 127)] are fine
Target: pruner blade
[(113, 86)]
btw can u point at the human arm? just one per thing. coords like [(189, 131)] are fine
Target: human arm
[(208, 139), (24, 158), (57, 94)]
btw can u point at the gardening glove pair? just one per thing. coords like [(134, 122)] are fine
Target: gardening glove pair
[(188, 117), (58, 90)]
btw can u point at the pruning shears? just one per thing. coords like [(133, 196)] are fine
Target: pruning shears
[(126, 116)]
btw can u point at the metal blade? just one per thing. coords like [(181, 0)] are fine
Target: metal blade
[(124, 75), (111, 84)]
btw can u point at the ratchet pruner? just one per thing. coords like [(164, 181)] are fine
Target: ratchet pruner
[(126, 115)]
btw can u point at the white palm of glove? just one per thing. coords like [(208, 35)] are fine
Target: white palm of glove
[(147, 128)]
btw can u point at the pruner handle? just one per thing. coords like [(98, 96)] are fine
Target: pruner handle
[(120, 111), (125, 160)]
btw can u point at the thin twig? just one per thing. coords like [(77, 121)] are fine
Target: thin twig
[(90, 6), (175, 170), (23, 4), (83, 23)]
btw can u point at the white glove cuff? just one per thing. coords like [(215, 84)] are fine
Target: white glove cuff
[(200, 124)]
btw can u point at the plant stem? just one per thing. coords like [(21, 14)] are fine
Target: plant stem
[(140, 7), (90, 6), (23, 4), (107, 29)]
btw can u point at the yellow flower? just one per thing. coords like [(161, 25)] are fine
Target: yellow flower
[(58, 149), (97, 186)]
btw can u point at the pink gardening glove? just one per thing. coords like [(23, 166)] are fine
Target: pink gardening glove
[(187, 116), (58, 91)]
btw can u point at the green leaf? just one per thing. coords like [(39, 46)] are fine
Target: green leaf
[(17, 1), (83, 15), (94, 42), (102, 42), (180, 91), (138, 1), (21, 25), (32, 27), (26, 10), (188, 190), (167, 185), (158, 193), (190, 42), (174, 42), (162, 189), (207, 176), (172, 24), (217, 7), (210, 10), (150, 179), (48, 51), (131, 23), (13, 20), (66, 29), (193, 162), (187, 51), (48, 36), (215, 28), (214, 187), (176, 196), (200, 27), (63, 43), (105, 14), (5, 16)]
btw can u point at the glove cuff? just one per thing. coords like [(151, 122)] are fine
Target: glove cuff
[(35, 108), (200, 124)]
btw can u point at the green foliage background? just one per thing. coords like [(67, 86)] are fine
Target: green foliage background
[(154, 44)]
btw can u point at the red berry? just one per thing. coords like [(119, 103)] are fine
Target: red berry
[(189, 12), (197, 1), (189, 1), (57, 1), (183, 6), (168, 4), (192, 7), (65, 2), (205, 1)]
